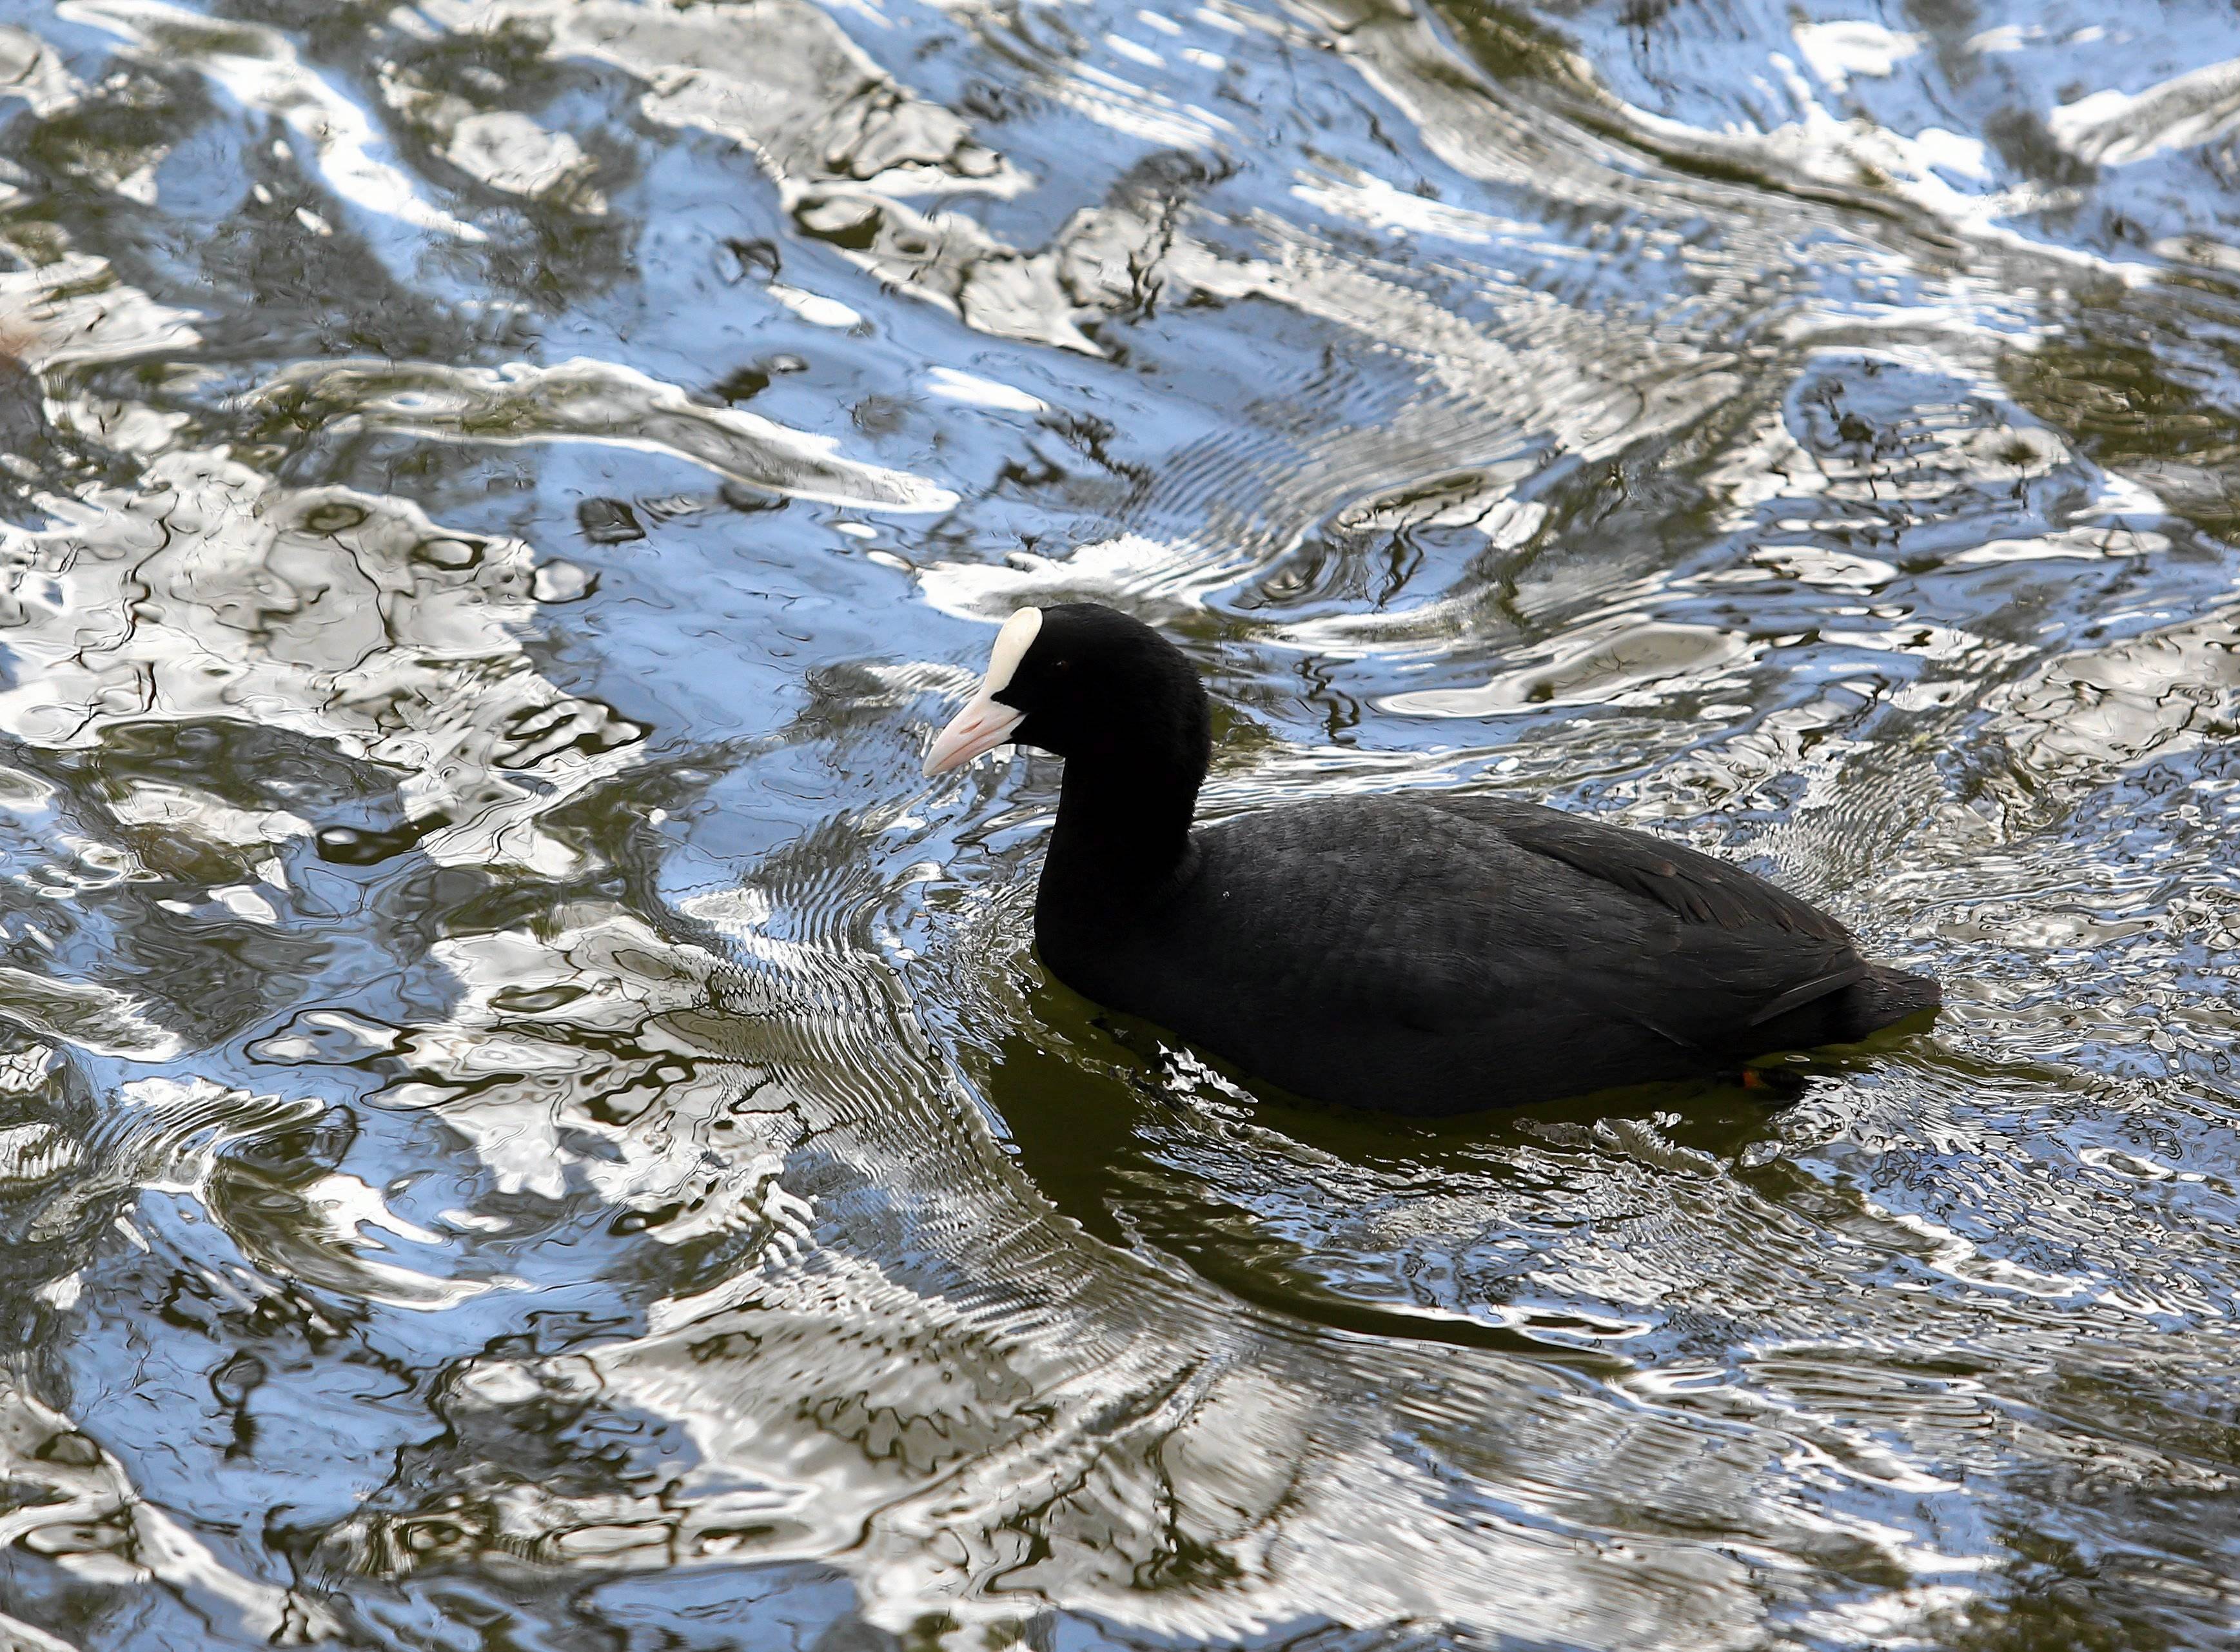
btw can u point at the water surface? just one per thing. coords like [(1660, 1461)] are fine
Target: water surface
[(526, 1123)]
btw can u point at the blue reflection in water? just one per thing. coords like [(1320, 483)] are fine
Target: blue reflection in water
[(524, 1122)]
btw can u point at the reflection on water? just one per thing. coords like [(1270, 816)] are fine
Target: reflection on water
[(524, 1123)]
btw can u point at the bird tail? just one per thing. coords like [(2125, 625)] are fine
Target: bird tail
[(1883, 997), (1870, 998)]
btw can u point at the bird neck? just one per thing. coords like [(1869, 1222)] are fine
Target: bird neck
[(1123, 825)]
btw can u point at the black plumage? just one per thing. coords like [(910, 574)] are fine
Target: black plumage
[(1424, 953)]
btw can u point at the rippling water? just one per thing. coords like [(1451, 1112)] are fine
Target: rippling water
[(524, 1123)]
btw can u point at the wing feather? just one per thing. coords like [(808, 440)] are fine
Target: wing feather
[(1443, 912)]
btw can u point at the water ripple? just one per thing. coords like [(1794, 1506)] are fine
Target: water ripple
[(523, 1118)]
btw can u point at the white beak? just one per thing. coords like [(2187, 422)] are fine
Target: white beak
[(987, 723), (981, 726)]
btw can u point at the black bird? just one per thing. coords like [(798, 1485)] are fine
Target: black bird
[(1424, 954)]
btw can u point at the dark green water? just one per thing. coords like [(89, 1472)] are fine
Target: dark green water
[(526, 1125)]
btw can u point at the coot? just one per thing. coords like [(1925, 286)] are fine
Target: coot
[(1424, 954)]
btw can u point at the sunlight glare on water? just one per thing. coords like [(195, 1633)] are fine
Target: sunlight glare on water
[(523, 1122)]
